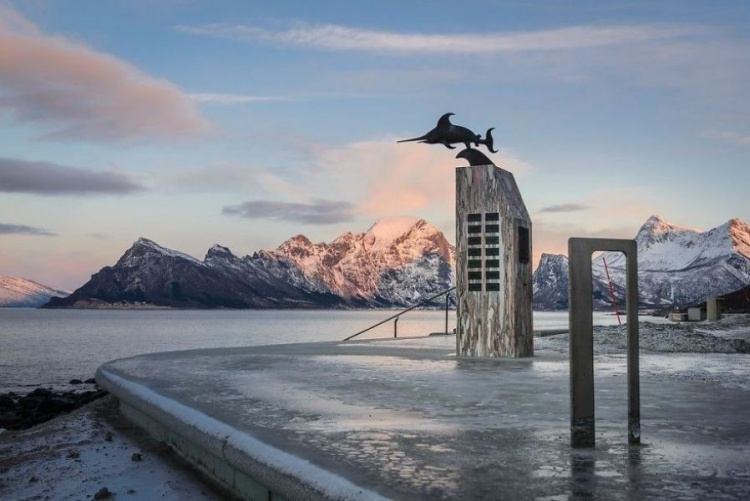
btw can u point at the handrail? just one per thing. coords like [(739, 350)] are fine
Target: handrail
[(397, 315)]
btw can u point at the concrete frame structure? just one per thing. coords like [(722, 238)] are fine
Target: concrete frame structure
[(713, 308), (581, 338), (493, 265)]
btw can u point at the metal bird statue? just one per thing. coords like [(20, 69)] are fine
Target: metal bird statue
[(448, 134)]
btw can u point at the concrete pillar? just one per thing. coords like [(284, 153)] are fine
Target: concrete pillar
[(581, 338), (493, 265), (713, 308)]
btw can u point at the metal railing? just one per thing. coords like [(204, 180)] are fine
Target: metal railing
[(398, 315)]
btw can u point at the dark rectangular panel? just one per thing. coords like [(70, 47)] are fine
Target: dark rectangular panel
[(493, 287), (475, 275), (492, 263), (491, 240), (492, 216), (524, 245), (475, 240), (477, 252), (491, 275), (474, 218), (475, 263), (492, 228), (475, 229), (475, 287), (492, 251)]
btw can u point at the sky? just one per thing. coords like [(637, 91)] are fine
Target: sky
[(245, 123)]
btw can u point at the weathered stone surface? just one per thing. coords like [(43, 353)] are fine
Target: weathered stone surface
[(492, 323)]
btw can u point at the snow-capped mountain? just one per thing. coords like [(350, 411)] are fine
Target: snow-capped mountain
[(22, 293), (677, 266), (396, 262), (550, 283)]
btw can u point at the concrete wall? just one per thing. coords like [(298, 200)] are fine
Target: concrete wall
[(493, 265)]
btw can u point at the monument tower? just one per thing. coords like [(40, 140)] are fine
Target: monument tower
[(493, 251)]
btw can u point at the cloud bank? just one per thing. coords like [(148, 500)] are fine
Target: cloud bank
[(44, 178), (343, 38), (318, 212), (75, 92), (22, 229), (563, 208), (207, 97)]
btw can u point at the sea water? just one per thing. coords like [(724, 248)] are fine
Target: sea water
[(50, 347)]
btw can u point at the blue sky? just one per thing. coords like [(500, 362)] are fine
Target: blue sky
[(245, 123)]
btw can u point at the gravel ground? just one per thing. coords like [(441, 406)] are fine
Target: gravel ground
[(729, 335)]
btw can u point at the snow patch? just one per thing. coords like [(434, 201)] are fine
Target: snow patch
[(145, 242), (386, 230), (23, 293)]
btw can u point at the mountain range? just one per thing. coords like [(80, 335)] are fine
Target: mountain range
[(397, 262), (677, 266)]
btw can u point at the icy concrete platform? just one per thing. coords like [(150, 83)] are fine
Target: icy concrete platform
[(406, 419)]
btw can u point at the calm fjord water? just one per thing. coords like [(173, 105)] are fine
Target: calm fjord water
[(50, 347)]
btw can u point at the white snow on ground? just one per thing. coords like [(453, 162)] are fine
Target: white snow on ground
[(71, 458)]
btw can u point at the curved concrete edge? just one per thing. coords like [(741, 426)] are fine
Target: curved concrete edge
[(234, 459)]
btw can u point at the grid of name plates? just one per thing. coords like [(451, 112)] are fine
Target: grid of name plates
[(483, 247)]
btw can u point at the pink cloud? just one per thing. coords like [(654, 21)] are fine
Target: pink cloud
[(394, 179), (75, 92)]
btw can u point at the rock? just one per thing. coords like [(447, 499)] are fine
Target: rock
[(9, 420), (7, 402), (33, 480), (74, 455), (136, 457), (28, 402), (75, 381), (56, 405), (42, 405), (90, 381), (108, 437), (103, 493)]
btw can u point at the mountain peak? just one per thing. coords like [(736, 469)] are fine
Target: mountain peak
[(219, 251), (388, 229), (297, 240), (144, 246), (24, 293), (656, 227), (739, 235)]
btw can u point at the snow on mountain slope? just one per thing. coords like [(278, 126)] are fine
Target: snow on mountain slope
[(397, 260), (22, 293), (676, 265)]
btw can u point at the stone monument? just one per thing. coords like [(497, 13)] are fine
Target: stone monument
[(493, 248)]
